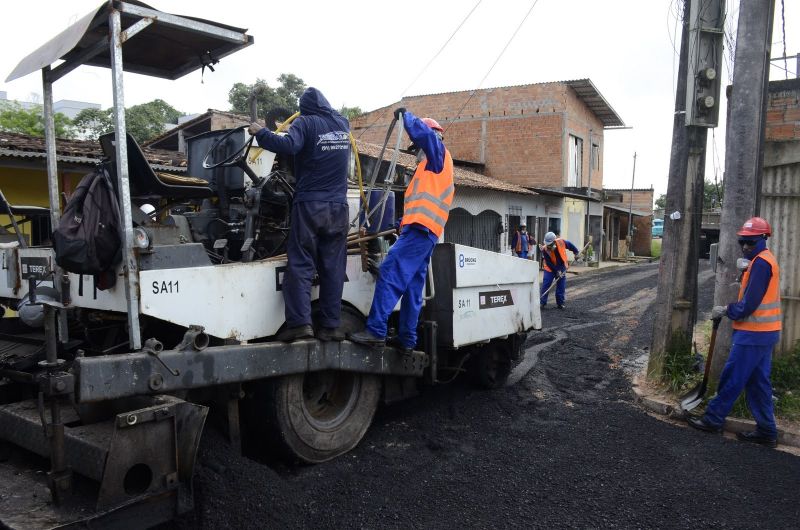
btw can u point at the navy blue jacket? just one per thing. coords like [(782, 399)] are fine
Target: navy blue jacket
[(319, 139), (559, 266), (425, 138), (760, 275)]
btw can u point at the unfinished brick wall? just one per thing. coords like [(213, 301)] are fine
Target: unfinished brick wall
[(642, 198), (783, 110), (518, 132)]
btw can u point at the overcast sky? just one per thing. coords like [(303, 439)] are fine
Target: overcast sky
[(365, 53)]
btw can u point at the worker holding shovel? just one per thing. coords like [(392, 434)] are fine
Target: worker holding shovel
[(554, 257), (756, 320)]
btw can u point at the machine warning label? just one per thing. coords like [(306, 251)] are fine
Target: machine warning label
[(35, 268), (492, 299)]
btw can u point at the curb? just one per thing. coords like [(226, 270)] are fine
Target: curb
[(733, 425)]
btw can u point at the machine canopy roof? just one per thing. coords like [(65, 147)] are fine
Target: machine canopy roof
[(170, 46)]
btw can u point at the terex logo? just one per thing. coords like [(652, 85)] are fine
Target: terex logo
[(492, 299), (467, 261), (35, 268)]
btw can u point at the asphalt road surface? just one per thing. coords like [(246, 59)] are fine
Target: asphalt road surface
[(562, 447)]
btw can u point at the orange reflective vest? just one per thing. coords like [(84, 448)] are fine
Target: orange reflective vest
[(561, 248), (429, 196), (518, 247), (767, 316)]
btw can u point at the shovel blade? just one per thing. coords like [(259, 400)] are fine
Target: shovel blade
[(694, 397)]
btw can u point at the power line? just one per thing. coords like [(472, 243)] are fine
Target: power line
[(783, 28), (463, 21), (472, 93)]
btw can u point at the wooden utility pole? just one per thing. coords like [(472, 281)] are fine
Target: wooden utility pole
[(695, 111), (744, 154)]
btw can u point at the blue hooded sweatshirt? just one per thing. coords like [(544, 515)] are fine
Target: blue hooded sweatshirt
[(319, 139)]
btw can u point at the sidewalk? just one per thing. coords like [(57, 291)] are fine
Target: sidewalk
[(659, 403)]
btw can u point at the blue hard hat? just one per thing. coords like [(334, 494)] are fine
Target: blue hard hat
[(549, 237)]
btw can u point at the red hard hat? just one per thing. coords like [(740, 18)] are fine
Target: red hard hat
[(433, 124), (755, 226)]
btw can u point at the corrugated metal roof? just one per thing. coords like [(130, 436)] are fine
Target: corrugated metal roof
[(624, 209), (461, 177), (584, 88), (16, 145)]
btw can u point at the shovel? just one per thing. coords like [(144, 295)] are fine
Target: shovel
[(695, 396), (562, 273)]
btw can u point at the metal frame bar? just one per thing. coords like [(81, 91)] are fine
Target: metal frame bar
[(66, 67), (107, 377), (181, 22), (130, 266)]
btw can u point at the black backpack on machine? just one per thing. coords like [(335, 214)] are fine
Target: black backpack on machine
[(88, 238)]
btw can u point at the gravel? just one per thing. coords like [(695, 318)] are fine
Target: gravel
[(563, 447)]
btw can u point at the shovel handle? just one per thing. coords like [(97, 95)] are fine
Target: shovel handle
[(711, 343)]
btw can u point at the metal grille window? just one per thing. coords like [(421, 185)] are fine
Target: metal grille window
[(479, 231)]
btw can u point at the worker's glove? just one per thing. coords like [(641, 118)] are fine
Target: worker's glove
[(254, 128), (719, 311), (398, 111)]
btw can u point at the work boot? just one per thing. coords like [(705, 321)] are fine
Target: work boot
[(561, 306), (756, 437), (395, 343), (330, 334), (298, 332), (366, 338), (701, 425)]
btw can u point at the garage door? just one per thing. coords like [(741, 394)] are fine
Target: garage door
[(480, 231)]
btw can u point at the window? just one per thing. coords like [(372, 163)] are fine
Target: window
[(595, 156), (575, 176)]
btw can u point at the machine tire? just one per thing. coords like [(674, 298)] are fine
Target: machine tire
[(317, 416), (491, 364)]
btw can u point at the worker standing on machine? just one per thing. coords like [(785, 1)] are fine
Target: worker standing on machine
[(756, 320), (426, 208), (319, 141), (554, 258)]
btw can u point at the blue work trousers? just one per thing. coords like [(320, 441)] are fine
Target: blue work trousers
[(523, 254), (317, 244), (402, 274), (561, 287), (747, 368)]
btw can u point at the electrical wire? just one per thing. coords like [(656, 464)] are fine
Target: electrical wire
[(472, 92), (460, 25), (783, 28)]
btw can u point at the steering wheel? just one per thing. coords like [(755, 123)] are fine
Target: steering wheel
[(233, 159)]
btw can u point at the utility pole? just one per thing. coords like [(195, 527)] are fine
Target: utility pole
[(696, 109), (630, 205), (744, 155)]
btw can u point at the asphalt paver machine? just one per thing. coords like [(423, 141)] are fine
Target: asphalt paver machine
[(104, 392)]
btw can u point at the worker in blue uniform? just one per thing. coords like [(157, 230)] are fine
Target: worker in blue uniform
[(426, 208), (554, 259), (756, 326), (520, 242), (319, 139)]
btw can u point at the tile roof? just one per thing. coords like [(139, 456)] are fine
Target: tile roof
[(80, 151), (461, 177), (197, 119)]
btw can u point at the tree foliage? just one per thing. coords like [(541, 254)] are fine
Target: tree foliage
[(143, 122), (351, 113), (284, 96), (16, 118), (712, 196)]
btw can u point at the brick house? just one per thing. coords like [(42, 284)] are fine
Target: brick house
[(546, 136), (618, 208), (780, 198)]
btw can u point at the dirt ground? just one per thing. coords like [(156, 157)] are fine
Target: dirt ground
[(562, 447)]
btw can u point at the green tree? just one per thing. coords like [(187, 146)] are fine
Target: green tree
[(91, 123), (15, 118), (285, 96), (712, 196), (148, 120), (351, 113)]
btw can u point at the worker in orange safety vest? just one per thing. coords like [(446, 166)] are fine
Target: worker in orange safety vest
[(756, 325)]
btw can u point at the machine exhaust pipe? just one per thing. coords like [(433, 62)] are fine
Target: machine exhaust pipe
[(195, 338)]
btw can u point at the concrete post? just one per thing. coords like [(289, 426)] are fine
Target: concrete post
[(744, 153)]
